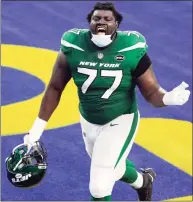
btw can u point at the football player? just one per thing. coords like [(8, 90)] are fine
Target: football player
[(106, 66)]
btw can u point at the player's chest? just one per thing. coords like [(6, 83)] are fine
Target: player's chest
[(101, 69), (101, 60)]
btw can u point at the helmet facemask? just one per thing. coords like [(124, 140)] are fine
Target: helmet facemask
[(27, 169)]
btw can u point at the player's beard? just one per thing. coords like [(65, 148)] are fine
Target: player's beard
[(103, 40)]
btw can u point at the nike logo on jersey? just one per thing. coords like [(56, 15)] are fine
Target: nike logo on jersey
[(113, 124)]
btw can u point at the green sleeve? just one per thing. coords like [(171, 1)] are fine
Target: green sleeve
[(139, 40), (68, 39)]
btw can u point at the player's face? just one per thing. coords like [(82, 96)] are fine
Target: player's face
[(103, 22)]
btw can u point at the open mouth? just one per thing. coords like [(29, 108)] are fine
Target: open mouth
[(101, 30)]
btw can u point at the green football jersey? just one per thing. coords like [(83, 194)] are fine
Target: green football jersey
[(103, 76)]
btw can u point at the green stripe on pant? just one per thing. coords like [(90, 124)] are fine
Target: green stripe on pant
[(130, 136)]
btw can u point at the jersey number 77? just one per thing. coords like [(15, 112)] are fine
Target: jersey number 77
[(92, 74)]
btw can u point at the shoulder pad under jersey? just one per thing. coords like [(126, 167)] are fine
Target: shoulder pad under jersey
[(69, 40), (133, 40)]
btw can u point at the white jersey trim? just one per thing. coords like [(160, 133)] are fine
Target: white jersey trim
[(67, 44), (137, 45)]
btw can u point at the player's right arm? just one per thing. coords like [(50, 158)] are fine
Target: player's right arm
[(60, 77)]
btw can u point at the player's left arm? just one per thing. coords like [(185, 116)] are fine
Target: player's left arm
[(152, 91), (148, 84)]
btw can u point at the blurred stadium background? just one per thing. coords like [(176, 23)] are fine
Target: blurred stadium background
[(30, 39)]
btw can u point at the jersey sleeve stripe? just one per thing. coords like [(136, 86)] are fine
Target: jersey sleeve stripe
[(137, 45), (69, 45)]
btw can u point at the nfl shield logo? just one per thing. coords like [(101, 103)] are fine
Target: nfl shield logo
[(100, 56)]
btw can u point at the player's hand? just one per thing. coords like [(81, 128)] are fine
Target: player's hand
[(29, 140), (35, 133), (178, 96)]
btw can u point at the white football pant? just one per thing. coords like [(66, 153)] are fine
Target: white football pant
[(108, 147)]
